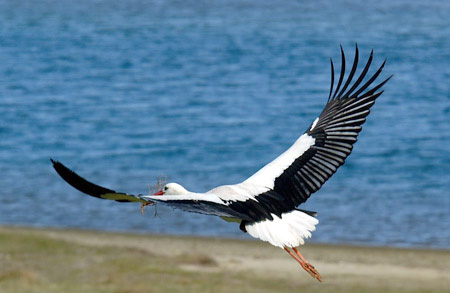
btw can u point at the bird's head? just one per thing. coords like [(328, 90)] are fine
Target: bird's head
[(172, 189)]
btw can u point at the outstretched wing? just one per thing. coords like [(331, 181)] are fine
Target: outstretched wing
[(201, 203), (208, 204), (92, 189), (318, 153), (291, 178)]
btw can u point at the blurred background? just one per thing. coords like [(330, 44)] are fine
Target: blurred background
[(207, 92)]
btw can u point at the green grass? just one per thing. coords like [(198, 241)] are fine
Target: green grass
[(33, 263), (32, 260)]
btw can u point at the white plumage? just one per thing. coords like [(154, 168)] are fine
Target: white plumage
[(289, 230), (267, 175), (266, 203)]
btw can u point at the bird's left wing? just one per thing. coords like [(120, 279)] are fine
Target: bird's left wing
[(318, 153), (203, 203), (92, 189)]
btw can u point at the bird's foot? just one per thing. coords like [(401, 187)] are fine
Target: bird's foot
[(305, 265), (312, 271)]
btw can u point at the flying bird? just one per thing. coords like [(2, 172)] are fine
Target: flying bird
[(266, 204)]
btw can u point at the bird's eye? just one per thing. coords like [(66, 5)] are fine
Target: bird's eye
[(165, 187)]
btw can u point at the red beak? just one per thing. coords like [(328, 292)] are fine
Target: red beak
[(159, 193)]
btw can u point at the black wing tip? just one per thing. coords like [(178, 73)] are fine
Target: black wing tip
[(57, 164), (332, 78), (341, 75), (360, 89), (59, 167), (382, 64), (356, 52), (78, 182)]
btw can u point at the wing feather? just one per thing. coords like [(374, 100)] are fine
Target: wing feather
[(208, 204), (290, 179), (324, 147), (90, 188)]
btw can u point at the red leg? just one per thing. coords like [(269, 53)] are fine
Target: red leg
[(298, 253), (305, 265)]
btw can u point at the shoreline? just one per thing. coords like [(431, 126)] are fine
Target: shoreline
[(250, 239), (55, 259)]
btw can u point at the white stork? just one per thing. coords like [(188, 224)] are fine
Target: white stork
[(266, 204)]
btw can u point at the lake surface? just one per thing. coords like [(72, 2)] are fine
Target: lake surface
[(207, 92)]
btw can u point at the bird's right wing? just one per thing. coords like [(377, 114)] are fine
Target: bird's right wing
[(323, 148)]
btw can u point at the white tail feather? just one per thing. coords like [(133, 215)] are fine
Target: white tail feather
[(288, 231)]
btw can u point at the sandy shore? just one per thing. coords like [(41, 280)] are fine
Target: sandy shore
[(52, 260)]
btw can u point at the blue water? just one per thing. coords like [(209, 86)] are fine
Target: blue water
[(207, 92)]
